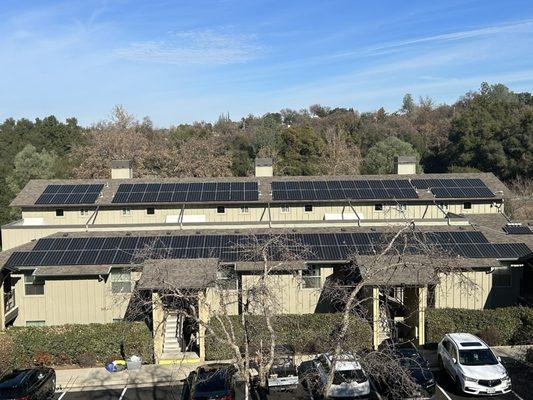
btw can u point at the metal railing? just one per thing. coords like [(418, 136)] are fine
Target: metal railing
[(9, 301)]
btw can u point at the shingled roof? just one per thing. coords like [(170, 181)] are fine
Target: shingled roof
[(31, 192)]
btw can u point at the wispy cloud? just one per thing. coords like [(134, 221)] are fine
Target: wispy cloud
[(194, 47)]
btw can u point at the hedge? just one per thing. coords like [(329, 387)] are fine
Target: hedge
[(307, 333), (85, 345), (500, 326)]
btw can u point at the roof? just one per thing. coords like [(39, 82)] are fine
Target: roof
[(121, 164), (404, 159), (72, 270), (179, 274), (263, 162), (31, 192), (461, 338)]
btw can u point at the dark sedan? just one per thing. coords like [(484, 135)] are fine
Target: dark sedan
[(215, 381), (28, 384)]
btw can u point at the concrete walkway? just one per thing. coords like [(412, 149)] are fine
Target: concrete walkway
[(100, 378)]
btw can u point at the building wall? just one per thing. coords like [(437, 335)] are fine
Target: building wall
[(478, 290), (70, 300)]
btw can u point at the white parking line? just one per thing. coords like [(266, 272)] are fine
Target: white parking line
[(444, 393), (62, 395), (517, 396), (123, 393)]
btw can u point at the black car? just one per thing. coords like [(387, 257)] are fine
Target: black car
[(28, 384), (216, 381)]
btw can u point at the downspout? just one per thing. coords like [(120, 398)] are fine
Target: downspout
[(269, 216), (94, 214), (181, 215), (355, 212)]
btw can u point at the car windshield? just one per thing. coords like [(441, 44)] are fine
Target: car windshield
[(477, 357), (348, 376), (412, 362), (14, 385), (211, 382)]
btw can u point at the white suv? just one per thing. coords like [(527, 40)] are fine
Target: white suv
[(472, 365)]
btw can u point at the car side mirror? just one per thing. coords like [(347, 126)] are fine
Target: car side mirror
[(454, 360)]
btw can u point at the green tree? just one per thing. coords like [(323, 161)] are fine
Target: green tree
[(300, 152), (380, 158), (31, 164), (408, 104)]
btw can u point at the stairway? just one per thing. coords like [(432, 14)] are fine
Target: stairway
[(384, 329), (173, 342)]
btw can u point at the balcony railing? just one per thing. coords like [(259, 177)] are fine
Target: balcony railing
[(9, 301)]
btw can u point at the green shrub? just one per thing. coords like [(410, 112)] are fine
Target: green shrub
[(501, 326), (70, 344), (308, 333)]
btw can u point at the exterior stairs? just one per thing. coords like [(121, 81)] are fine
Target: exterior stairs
[(173, 342), (384, 331)]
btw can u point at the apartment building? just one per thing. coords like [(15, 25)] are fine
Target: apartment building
[(71, 257)]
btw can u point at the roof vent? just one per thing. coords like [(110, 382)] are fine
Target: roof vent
[(121, 169), (264, 167)]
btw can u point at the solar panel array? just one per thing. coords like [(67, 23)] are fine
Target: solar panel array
[(186, 192), (454, 188), (70, 194), (341, 190), (229, 248), (517, 229)]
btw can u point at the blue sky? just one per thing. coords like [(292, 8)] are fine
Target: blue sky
[(181, 61)]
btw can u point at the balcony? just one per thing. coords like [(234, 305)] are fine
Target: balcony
[(10, 306)]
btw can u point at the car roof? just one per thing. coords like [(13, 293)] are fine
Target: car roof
[(465, 341), (15, 379), (345, 362)]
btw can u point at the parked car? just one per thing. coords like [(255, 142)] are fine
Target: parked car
[(472, 364), (410, 358), (349, 379), (283, 374), (215, 381), (28, 384)]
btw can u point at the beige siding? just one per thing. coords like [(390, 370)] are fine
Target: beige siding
[(70, 301), (469, 290)]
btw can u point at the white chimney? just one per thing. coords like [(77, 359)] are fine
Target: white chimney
[(121, 169), (404, 165), (264, 167)]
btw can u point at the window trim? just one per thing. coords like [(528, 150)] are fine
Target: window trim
[(308, 206), (313, 272), (113, 279), (221, 210)]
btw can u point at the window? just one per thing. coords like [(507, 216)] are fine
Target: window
[(126, 211), (245, 210), (221, 210), (378, 207), (33, 286), (150, 211), (308, 208), (444, 206), (84, 212), (402, 206), (35, 323), (60, 212), (311, 277), (285, 209), (226, 277), (467, 206), (120, 281), (501, 278), (117, 320)]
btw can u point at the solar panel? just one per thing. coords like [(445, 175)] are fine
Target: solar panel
[(343, 190), (517, 229), (70, 194), (186, 192), (315, 246), (454, 188)]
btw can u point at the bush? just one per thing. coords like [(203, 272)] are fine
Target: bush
[(308, 333), (501, 326), (71, 344), (6, 354)]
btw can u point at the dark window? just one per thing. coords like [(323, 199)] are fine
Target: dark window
[(221, 210), (308, 208), (150, 211), (60, 213), (33, 286), (467, 206), (378, 207)]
